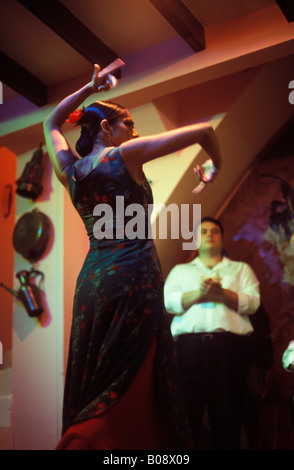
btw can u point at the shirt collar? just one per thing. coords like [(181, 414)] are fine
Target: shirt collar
[(224, 262)]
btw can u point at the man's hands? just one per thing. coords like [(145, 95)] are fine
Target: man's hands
[(211, 291)]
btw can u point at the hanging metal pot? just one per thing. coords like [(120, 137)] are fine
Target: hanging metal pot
[(31, 235)]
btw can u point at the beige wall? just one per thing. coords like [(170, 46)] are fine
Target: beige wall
[(37, 352)]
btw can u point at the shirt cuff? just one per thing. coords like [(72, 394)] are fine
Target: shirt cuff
[(173, 303), (242, 303), (247, 304), (288, 357)]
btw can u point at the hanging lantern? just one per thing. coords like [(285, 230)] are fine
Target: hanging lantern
[(29, 185)]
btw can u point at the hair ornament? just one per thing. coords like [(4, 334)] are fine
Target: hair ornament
[(74, 117)]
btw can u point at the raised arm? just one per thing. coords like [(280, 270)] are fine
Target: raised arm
[(143, 149), (58, 148)]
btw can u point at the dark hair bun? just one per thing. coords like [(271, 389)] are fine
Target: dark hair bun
[(91, 120), (85, 143)]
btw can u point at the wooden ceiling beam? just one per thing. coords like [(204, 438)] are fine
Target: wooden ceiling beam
[(183, 21), (58, 18), (287, 8), (22, 81)]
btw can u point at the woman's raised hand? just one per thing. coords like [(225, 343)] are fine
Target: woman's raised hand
[(100, 82)]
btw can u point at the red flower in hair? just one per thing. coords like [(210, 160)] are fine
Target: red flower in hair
[(74, 117)]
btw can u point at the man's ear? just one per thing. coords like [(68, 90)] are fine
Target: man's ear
[(105, 127)]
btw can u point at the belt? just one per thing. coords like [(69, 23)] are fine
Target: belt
[(204, 337)]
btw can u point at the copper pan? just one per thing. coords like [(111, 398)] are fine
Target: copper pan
[(31, 235)]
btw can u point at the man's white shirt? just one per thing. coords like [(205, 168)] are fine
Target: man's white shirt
[(208, 317)]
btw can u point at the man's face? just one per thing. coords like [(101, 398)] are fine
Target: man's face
[(211, 238)]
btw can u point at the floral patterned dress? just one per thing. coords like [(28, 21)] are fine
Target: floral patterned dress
[(118, 315)]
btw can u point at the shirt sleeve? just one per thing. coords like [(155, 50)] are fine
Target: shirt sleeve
[(173, 292), (249, 294), (288, 357)]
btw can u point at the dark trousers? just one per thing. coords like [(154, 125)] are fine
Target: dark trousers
[(213, 371)]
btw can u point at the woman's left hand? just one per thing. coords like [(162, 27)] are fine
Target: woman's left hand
[(100, 83)]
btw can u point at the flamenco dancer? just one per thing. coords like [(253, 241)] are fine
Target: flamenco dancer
[(121, 389)]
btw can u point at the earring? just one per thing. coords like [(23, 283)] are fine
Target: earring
[(109, 140)]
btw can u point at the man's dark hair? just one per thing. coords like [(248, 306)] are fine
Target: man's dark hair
[(214, 221)]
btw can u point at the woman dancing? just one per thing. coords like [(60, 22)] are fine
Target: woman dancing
[(121, 389)]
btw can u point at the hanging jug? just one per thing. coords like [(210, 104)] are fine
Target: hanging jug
[(29, 293)]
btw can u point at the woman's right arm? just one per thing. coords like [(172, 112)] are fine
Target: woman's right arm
[(59, 151), (143, 149)]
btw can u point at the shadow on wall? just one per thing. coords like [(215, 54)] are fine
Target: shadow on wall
[(252, 236)]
